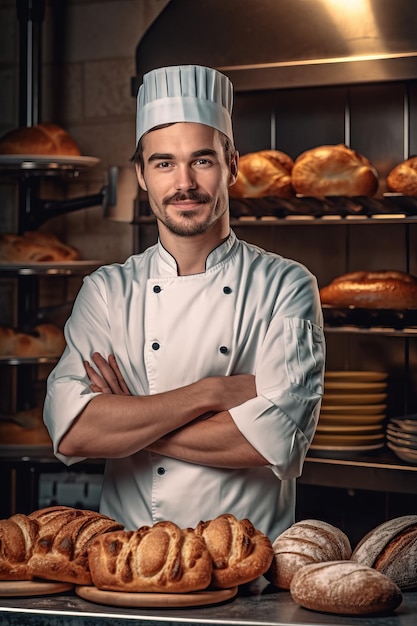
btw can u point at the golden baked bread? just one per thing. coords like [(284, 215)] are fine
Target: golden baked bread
[(403, 177), (160, 558), (305, 542), (239, 551), (41, 139), (18, 534), (384, 289), (35, 247), (391, 548), (60, 551), (25, 428), (345, 588), (333, 170), (264, 173), (43, 340)]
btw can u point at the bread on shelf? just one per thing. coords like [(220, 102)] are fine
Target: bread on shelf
[(44, 340), (263, 173), (384, 289), (333, 170), (403, 177), (47, 139), (35, 247)]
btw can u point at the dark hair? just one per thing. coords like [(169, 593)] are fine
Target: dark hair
[(228, 148)]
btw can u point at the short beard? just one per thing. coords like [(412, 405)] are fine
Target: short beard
[(187, 227)]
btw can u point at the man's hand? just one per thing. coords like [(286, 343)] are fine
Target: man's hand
[(110, 379)]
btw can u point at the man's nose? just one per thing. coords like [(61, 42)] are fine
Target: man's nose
[(185, 178)]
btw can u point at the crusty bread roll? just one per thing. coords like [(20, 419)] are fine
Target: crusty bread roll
[(305, 542), (385, 289), (239, 551), (344, 587), (60, 551), (264, 173), (41, 139), (403, 177), (35, 247), (18, 534), (160, 558), (333, 170), (43, 340), (391, 548)]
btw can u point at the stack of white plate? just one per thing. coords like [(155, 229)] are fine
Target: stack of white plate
[(402, 437), (352, 414)]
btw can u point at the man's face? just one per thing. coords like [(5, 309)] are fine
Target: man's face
[(186, 177)]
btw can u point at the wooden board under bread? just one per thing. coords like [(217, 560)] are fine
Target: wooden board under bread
[(21, 588), (118, 598)]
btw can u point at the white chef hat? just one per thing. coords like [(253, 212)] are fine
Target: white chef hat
[(185, 93)]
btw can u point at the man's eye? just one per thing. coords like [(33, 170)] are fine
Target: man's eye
[(203, 162), (162, 164)]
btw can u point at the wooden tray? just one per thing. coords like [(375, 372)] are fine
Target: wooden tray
[(160, 600), (20, 588)]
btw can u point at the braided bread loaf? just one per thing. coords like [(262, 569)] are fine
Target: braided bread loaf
[(161, 558), (18, 534), (61, 549), (239, 551), (43, 340), (50, 543)]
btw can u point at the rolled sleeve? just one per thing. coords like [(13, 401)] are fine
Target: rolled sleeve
[(280, 422)]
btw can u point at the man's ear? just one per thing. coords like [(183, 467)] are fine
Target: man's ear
[(234, 168), (140, 178)]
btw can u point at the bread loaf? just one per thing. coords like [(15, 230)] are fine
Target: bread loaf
[(41, 139), (264, 173), (43, 340), (385, 289), (403, 177), (305, 542), (161, 558), (240, 553), (25, 428), (391, 548), (18, 534), (35, 247), (333, 170), (60, 551), (345, 588)]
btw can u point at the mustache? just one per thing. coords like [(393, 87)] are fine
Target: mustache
[(182, 196)]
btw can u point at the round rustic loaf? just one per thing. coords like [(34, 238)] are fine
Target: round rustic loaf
[(403, 177), (391, 548), (345, 588), (264, 173), (385, 289), (333, 170), (305, 542), (41, 139)]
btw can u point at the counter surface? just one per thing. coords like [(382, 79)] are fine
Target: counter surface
[(260, 605)]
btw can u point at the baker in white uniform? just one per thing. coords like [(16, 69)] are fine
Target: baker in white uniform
[(196, 367)]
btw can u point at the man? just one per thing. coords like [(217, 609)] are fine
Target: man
[(195, 368)]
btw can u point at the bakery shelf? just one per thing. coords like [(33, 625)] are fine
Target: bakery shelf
[(17, 360), (74, 268)]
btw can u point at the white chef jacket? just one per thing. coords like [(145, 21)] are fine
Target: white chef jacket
[(251, 312)]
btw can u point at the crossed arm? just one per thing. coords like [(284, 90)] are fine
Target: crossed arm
[(191, 423)]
